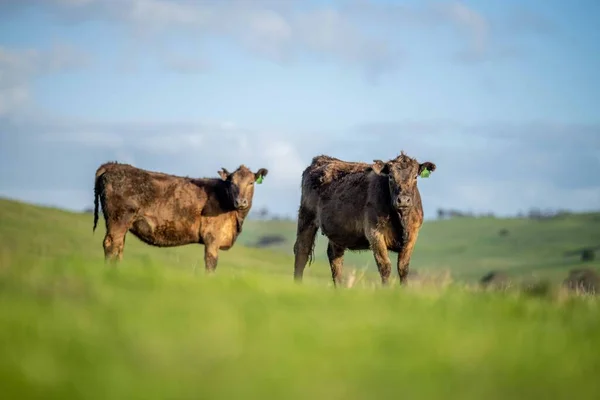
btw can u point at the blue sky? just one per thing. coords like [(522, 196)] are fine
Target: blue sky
[(501, 95)]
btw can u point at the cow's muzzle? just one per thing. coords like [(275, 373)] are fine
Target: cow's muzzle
[(240, 204), (403, 202)]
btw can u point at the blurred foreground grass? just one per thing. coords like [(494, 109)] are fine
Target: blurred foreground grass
[(72, 327)]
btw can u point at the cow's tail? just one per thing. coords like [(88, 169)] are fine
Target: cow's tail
[(307, 224), (97, 190)]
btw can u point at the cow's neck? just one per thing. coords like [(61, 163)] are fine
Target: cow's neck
[(240, 217), (403, 218), (226, 204), (224, 197)]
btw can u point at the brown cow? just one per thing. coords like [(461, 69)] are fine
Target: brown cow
[(359, 206), (166, 210)]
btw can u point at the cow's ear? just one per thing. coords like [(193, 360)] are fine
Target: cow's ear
[(224, 174), (426, 168), (260, 174), (379, 167)]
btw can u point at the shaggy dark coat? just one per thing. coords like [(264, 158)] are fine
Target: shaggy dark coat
[(360, 206)]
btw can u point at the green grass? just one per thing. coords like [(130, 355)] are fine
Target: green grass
[(156, 327), (468, 248)]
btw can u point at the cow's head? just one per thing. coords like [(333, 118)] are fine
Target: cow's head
[(241, 185), (402, 173)]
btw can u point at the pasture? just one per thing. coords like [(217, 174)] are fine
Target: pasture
[(156, 327)]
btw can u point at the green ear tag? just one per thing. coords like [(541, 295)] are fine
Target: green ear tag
[(259, 180), (425, 173)]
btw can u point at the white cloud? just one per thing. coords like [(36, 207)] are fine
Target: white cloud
[(12, 97), (267, 33), (19, 67), (287, 163), (74, 3), (475, 25), (496, 167), (364, 33), (186, 65), (481, 167)]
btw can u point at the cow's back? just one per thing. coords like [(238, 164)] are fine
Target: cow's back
[(326, 175), (337, 191), (154, 192), (123, 182)]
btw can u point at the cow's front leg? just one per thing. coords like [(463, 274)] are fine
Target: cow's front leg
[(335, 254), (404, 256), (211, 256), (384, 265)]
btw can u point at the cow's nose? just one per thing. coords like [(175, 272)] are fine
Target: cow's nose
[(404, 201), (241, 203)]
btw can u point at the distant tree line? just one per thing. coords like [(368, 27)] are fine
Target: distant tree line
[(453, 213), (533, 213), (536, 213), (265, 215)]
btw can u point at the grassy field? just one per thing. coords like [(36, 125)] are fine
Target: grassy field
[(468, 248), (156, 327)]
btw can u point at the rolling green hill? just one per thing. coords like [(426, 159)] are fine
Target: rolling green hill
[(467, 248), (470, 247), (150, 328)]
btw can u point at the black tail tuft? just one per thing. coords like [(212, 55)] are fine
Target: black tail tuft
[(96, 196), (95, 210)]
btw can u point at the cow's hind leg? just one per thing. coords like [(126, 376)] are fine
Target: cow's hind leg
[(335, 254), (305, 239), (211, 254), (114, 242), (116, 230)]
